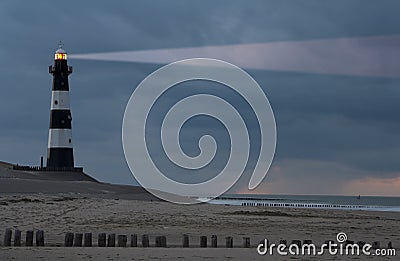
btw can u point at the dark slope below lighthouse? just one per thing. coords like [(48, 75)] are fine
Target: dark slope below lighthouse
[(52, 182)]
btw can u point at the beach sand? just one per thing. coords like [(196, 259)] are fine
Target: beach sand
[(71, 212), (58, 204)]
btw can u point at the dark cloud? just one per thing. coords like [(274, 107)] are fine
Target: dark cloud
[(351, 120)]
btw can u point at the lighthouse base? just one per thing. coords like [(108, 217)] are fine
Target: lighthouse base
[(60, 158)]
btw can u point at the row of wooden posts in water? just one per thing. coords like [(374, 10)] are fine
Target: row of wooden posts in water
[(111, 240)]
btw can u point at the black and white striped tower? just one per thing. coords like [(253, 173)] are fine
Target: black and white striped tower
[(60, 155)]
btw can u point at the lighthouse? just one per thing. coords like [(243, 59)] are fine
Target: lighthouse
[(60, 155)]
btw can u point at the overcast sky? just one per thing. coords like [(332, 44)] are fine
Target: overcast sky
[(337, 134)]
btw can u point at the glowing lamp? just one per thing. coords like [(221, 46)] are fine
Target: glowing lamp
[(60, 56)]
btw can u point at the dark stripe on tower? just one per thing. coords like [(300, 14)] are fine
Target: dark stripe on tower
[(60, 119), (60, 71), (59, 158)]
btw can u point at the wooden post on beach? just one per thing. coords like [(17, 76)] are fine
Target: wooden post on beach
[(203, 241), (229, 242), (145, 241), (69, 239), (161, 241), (134, 240), (7, 237), (29, 238), (39, 238), (78, 239), (296, 242), (102, 238), (111, 240), (246, 242), (185, 240), (122, 240), (158, 241), (214, 241), (87, 240), (376, 245), (361, 243), (265, 243), (17, 238)]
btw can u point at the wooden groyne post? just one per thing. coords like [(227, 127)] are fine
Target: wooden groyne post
[(102, 238), (17, 238), (185, 240), (246, 242), (111, 240), (78, 239), (40, 238), (229, 242), (29, 238), (161, 241), (69, 239), (87, 240), (122, 240), (296, 242), (203, 241), (376, 245), (7, 237), (145, 241), (214, 241), (134, 240)]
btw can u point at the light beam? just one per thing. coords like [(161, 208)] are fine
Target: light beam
[(364, 56)]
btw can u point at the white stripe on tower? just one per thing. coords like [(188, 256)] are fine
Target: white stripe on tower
[(60, 138), (60, 100)]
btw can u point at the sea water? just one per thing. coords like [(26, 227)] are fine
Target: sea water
[(311, 201)]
